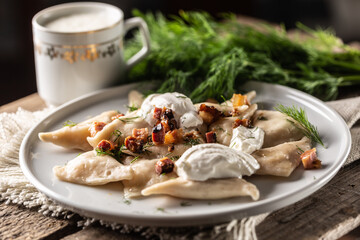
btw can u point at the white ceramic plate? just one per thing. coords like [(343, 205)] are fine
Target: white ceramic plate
[(106, 202)]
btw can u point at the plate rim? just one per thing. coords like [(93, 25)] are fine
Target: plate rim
[(173, 220)]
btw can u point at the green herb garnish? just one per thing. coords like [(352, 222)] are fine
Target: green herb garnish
[(132, 108), (128, 120), (299, 115), (160, 209), (192, 142), (126, 201), (185, 204), (135, 158), (117, 134), (69, 123), (223, 98), (115, 153)]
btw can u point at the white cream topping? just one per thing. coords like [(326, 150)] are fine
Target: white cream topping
[(212, 160), (184, 110), (247, 140)]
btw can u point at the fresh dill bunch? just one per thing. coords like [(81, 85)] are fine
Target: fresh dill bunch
[(299, 115), (204, 58)]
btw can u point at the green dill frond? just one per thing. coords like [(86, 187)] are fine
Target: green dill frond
[(299, 115), (69, 123)]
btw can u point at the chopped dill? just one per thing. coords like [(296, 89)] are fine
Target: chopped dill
[(299, 115), (262, 118), (192, 142), (128, 120), (185, 204), (69, 123), (160, 209), (117, 134), (132, 108), (181, 97), (301, 151), (126, 201), (135, 158), (223, 98), (174, 158)]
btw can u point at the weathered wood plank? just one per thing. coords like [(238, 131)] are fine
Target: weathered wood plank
[(101, 233), (320, 215), (31, 103), (21, 223)]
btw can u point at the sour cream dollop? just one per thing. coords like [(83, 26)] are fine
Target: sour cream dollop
[(247, 140), (212, 160), (184, 110)]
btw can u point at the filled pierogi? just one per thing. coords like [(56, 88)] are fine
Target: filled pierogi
[(167, 145)]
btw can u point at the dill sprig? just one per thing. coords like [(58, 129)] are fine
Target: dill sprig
[(192, 141), (299, 115)]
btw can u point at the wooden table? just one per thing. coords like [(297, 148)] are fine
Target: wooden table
[(315, 217)]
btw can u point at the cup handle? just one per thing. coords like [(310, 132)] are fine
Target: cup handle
[(145, 36)]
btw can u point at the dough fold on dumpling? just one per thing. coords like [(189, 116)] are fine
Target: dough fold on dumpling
[(282, 159), (144, 175), (210, 189), (91, 169), (277, 127), (75, 137)]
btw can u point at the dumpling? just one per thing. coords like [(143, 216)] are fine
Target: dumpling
[(282, 159), (123, 124), (223, 129), (277, 128), (144, 175), (210, 189), (75, 137), (90, 169)]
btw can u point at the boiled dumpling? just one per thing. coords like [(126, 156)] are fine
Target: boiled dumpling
[(210, 189), (282, 159), (75, 137), (90, 169), (144, 176)]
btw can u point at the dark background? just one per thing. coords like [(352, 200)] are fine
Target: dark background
[(16, 47)]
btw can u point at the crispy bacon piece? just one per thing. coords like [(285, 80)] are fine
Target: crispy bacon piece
[(140, 133), (171, 148), (164, 165), (117, 116), (167, 114), (243, 122), (157, 113), (239, 100), (209, 114), (211, 137), (133, 144), (174, 136), (310, 160), (105, 145), (158, 134), (96, 127)]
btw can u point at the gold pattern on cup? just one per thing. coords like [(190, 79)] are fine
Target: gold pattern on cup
[(73, 54)]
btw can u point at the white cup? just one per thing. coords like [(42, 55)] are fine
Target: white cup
[(74, 57)]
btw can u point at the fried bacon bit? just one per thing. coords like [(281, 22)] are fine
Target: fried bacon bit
[(96, 127), (173, 137), (157, 113), (211, 137), (133, 144), (164, 165), (167, 114), (310, 160), (158, 134), (243, 122), (105, 145), (239, 100), (209, 114), (140, 133), (171, 148), (117, 116)]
